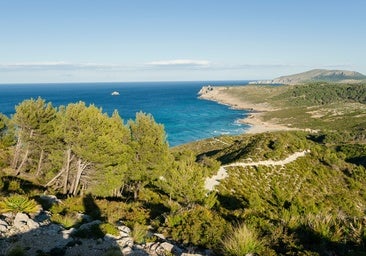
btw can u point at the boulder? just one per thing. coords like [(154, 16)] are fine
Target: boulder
[(88, 226), (125, 242), (168, 247), (3, 226), (23, 223)]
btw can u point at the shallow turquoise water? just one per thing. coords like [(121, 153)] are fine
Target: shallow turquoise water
[(174, 104)]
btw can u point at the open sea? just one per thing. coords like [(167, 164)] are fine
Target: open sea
[(174, 104)]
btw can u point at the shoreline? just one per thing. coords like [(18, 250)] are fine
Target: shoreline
[(256, 110)]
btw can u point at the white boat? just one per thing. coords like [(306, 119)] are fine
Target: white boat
[(115, 93)]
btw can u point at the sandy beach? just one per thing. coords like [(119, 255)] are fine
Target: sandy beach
[(254, 119)]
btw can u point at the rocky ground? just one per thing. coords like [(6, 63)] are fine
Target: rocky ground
[(37, 235)]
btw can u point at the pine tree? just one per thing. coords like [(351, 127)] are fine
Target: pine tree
[(184, 181), (33, 119), (150, 153)]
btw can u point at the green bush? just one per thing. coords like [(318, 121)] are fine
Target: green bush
[(128, 213), (67, 220), (139, 233), (19, 203), (198, 226), (108, 228), (242, 241), (14, 186)]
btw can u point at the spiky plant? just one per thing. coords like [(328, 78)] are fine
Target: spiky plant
[(242, 241), (18, 203)]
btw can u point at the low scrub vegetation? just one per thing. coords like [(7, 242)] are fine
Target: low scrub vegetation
[(104, 169)]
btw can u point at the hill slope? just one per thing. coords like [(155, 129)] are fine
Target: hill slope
[(316, 75)]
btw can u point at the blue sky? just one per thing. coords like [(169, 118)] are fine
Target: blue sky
[(177, 40)]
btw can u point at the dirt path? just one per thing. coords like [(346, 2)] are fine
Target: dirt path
[(211, 182)]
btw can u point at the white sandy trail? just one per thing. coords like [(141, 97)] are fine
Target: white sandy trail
[(210, 183)]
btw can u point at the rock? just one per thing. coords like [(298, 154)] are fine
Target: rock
[(43, 217), (52, 229), (171, 248), (20, 219), (32, 224), (67, 233), (23, 223), (160, 236), (3, 228), (167, 246), (89, 225), (125, 242), (48, 201), (123, 228), (127, 251)]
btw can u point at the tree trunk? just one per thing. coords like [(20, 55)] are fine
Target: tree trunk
[(67, 168), (81, 167), (39, 167), (54, 178), (16, 154), (136, 191), (17, 172), (25, 158)]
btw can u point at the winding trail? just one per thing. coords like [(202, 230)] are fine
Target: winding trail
[(211, 182)]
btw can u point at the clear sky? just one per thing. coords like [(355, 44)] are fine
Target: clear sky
[(172, 40)]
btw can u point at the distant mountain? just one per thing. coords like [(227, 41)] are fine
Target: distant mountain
[(316, 75)]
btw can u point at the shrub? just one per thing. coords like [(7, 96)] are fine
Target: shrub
[(108, 228), (14, 186), (67, 221), (325, 226), (129, 213), (139, 233), (242, 241), (198, 226), (19, 203)]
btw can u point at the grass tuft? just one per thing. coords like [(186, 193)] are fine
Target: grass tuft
[(242, 241)]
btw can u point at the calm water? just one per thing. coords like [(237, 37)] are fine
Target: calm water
[(174, 104)]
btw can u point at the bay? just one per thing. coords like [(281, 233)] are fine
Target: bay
[(174, 104)]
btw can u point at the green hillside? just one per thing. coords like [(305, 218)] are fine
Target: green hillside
[(300, 192), (318, 75), (310, 206)]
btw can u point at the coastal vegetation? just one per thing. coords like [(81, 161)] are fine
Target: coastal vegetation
[(124, 171)]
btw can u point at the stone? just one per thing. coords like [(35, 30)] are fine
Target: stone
[(125, 242), (66, 234), (124, 229), (21, 219), (52, 229), (43, 217), (23, 223), (88, 226), (3, 228), (32, 224), (3, 222), (160, 236), (167, 246), (49, 200), (127, 251)]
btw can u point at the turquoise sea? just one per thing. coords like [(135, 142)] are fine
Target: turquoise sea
[(174, 104)]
